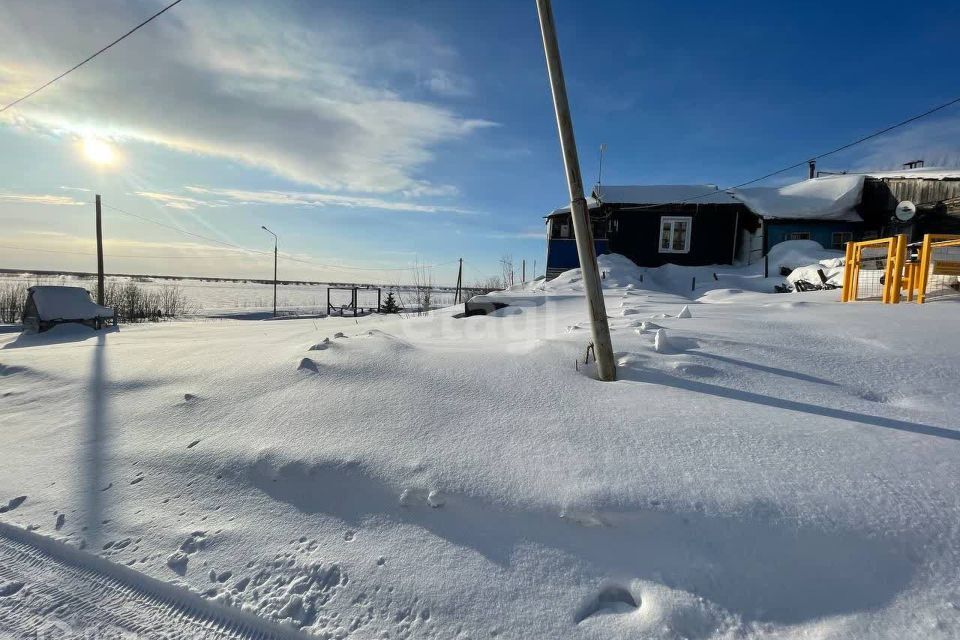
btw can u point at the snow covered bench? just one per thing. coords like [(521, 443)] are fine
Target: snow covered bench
[(48, 306)]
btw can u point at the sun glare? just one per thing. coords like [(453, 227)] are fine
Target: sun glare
[(98, 152)]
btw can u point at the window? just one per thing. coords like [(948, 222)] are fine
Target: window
[(675, 234), (797, 235), (565, 230), (840, 239)]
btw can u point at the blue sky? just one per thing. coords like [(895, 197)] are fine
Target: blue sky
[(370, 135)]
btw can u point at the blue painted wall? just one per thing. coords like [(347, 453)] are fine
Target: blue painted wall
[(563, 253), (820, 231)]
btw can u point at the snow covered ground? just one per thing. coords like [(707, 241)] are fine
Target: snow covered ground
[(783, 466), (208, 298)]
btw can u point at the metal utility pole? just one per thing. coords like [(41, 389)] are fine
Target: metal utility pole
[(459, 294), (602, 346), (523, 271), (275, 243), (99, 255)]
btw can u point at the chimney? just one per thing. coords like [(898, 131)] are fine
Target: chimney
[(812, 164)]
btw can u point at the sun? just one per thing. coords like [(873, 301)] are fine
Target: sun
[(98, 152)]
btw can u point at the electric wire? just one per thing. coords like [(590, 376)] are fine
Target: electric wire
[(89, 58)]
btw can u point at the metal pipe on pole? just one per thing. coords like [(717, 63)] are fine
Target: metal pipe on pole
[(602, 345)]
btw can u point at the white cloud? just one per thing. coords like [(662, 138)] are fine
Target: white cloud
[(221, 197), (443, 83), (936, 141), (39, 198), (519, 235), (292, 88), (177, 202)]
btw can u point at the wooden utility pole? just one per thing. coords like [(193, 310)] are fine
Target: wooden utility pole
[(99, 255), (602, 346), (276, 242)]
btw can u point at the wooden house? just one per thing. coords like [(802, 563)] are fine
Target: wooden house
[(653, 225)]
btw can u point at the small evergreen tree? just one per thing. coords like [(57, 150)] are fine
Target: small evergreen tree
[(389, 305)]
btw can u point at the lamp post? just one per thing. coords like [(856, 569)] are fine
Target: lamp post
[(275, 243)]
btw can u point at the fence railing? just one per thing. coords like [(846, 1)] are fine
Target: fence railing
[(939, 267), (884, 269)]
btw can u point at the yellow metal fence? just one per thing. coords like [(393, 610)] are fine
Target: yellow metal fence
[(887, 269)]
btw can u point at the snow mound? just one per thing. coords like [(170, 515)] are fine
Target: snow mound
[(661, 344), (685, 312), (810, 273), (796, 253)]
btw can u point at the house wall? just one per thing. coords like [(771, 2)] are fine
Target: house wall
[(938, 204), (776, 231), (562, 253), (713, 237)]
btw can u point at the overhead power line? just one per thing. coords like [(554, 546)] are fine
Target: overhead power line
[(821, 155), (91, 57), (183, 231)]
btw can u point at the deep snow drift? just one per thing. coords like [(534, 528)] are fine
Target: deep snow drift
[(773, 466)]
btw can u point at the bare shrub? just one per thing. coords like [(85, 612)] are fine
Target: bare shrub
[(481, 287), (508, 272), (423, 288), (134, 303), (13, 297)]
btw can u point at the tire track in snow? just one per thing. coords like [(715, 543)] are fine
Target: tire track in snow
[(59, 590)]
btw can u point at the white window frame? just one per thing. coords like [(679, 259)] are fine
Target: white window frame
[(686, 240), (840, 246), (793, 235)]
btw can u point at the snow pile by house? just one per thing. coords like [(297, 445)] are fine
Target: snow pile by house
[(779, 467)]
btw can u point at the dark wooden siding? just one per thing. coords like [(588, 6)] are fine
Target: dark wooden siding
[(712, 239), (938, 204)]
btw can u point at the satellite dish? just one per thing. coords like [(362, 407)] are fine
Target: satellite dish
[(905, 211)]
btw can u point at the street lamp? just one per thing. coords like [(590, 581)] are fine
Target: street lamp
[(275, 243)]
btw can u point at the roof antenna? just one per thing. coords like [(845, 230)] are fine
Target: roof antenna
[(603, 148)]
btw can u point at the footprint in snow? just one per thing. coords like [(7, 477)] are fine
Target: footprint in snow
[(611, 599), (13, 504), (193, 444), (320, 346), (188, 397), (137, 480), (61, 520), (308, 365)]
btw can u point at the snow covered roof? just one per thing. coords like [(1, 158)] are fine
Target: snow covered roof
[(654, 194), (826, 198), (663, 194), (66, 303), (592, 203), (927, 173)]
